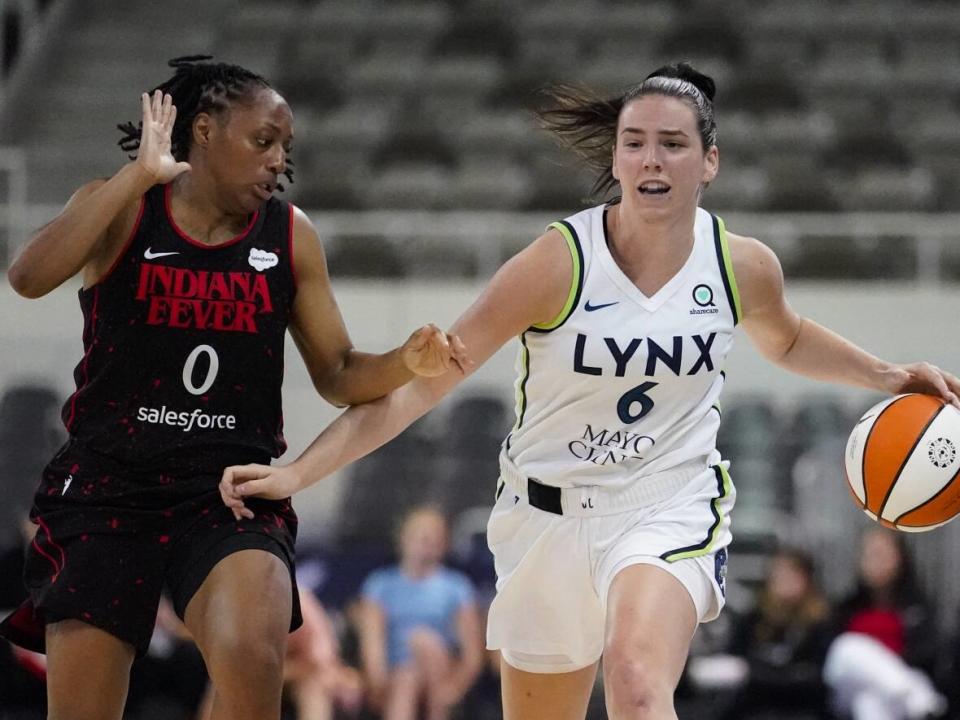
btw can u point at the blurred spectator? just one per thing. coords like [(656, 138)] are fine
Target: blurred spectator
[(784, 641), (949, 671), (23, 689), (12, 589), (30, 432), (316, 680), (420, 633), (878, 666), (23, 674)]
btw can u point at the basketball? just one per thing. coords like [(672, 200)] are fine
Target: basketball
[(902, 463)]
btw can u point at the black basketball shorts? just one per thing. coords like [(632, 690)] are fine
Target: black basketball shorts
[(109, 542)]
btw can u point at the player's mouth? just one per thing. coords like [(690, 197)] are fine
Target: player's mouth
[(653, 188), (264, 190)]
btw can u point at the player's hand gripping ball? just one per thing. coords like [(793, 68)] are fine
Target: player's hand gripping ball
[(903, 462)]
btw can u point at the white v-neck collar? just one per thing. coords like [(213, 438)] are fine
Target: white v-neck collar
[(620, 279)]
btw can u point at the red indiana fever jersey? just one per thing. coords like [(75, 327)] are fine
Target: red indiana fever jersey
[(184, 343)]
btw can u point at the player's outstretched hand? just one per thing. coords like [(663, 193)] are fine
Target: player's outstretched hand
[(266, 481), (156, 127), (431, 352), (922, 377)]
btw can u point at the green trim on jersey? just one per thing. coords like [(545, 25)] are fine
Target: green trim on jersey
[(726, 268), (704, 548), (716, 405), (522, 386), (573, 299), (576, 282)]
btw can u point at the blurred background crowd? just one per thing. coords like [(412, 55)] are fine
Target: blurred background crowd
[(418, 160)]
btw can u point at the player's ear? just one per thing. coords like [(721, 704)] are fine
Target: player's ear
[(711, 164), (203, 127)]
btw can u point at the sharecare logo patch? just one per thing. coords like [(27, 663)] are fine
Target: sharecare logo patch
[(188, 420), (203, 299)]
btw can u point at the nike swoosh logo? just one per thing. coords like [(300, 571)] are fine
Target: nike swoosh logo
[(590, 308), (150, 255)]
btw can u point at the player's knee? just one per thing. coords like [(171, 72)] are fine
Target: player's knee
[(633, 680), (244, 654)]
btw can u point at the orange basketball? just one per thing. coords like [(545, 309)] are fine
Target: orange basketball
[(903, 465)]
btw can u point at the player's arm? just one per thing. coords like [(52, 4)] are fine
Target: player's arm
[(80, 236), (530, 289), (341, 374), (90, 231), (805, 347)]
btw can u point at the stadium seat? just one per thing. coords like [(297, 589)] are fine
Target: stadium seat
[(467, 467), (382, 487), (809, 71), (492, 184), (908, 189), (817, 419), (478, 34), (480, 414), (410, 184), (738, 188), (750, 428), (365, 257), (798, 183), (30, 433)]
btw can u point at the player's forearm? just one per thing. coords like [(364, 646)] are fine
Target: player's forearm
[(359, 431), (821, 354), (365, 377), (60, 249)]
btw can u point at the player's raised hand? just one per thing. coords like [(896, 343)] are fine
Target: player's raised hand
[(431, 352), (154, 154), (274, 482)]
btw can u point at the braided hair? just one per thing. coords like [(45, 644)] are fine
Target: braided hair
[(198, 86)]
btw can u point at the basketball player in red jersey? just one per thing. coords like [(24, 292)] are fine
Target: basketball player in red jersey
[(192, 273)]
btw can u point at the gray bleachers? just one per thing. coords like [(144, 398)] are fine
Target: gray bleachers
[(425, 104)]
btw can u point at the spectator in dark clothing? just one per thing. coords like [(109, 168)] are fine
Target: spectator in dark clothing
[(169, 681), (783, 640), (949, 671), (879, 665)]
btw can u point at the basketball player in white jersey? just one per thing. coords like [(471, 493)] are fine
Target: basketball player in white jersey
[(612, 519)]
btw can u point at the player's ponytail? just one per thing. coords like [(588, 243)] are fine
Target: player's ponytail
[(586, 123)]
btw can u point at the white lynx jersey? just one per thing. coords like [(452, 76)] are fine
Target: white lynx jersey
[(621, 386)]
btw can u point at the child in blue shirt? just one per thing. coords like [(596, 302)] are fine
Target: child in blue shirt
[(420, 631)]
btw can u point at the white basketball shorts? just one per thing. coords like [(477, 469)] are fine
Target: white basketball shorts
[(554, 571)]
